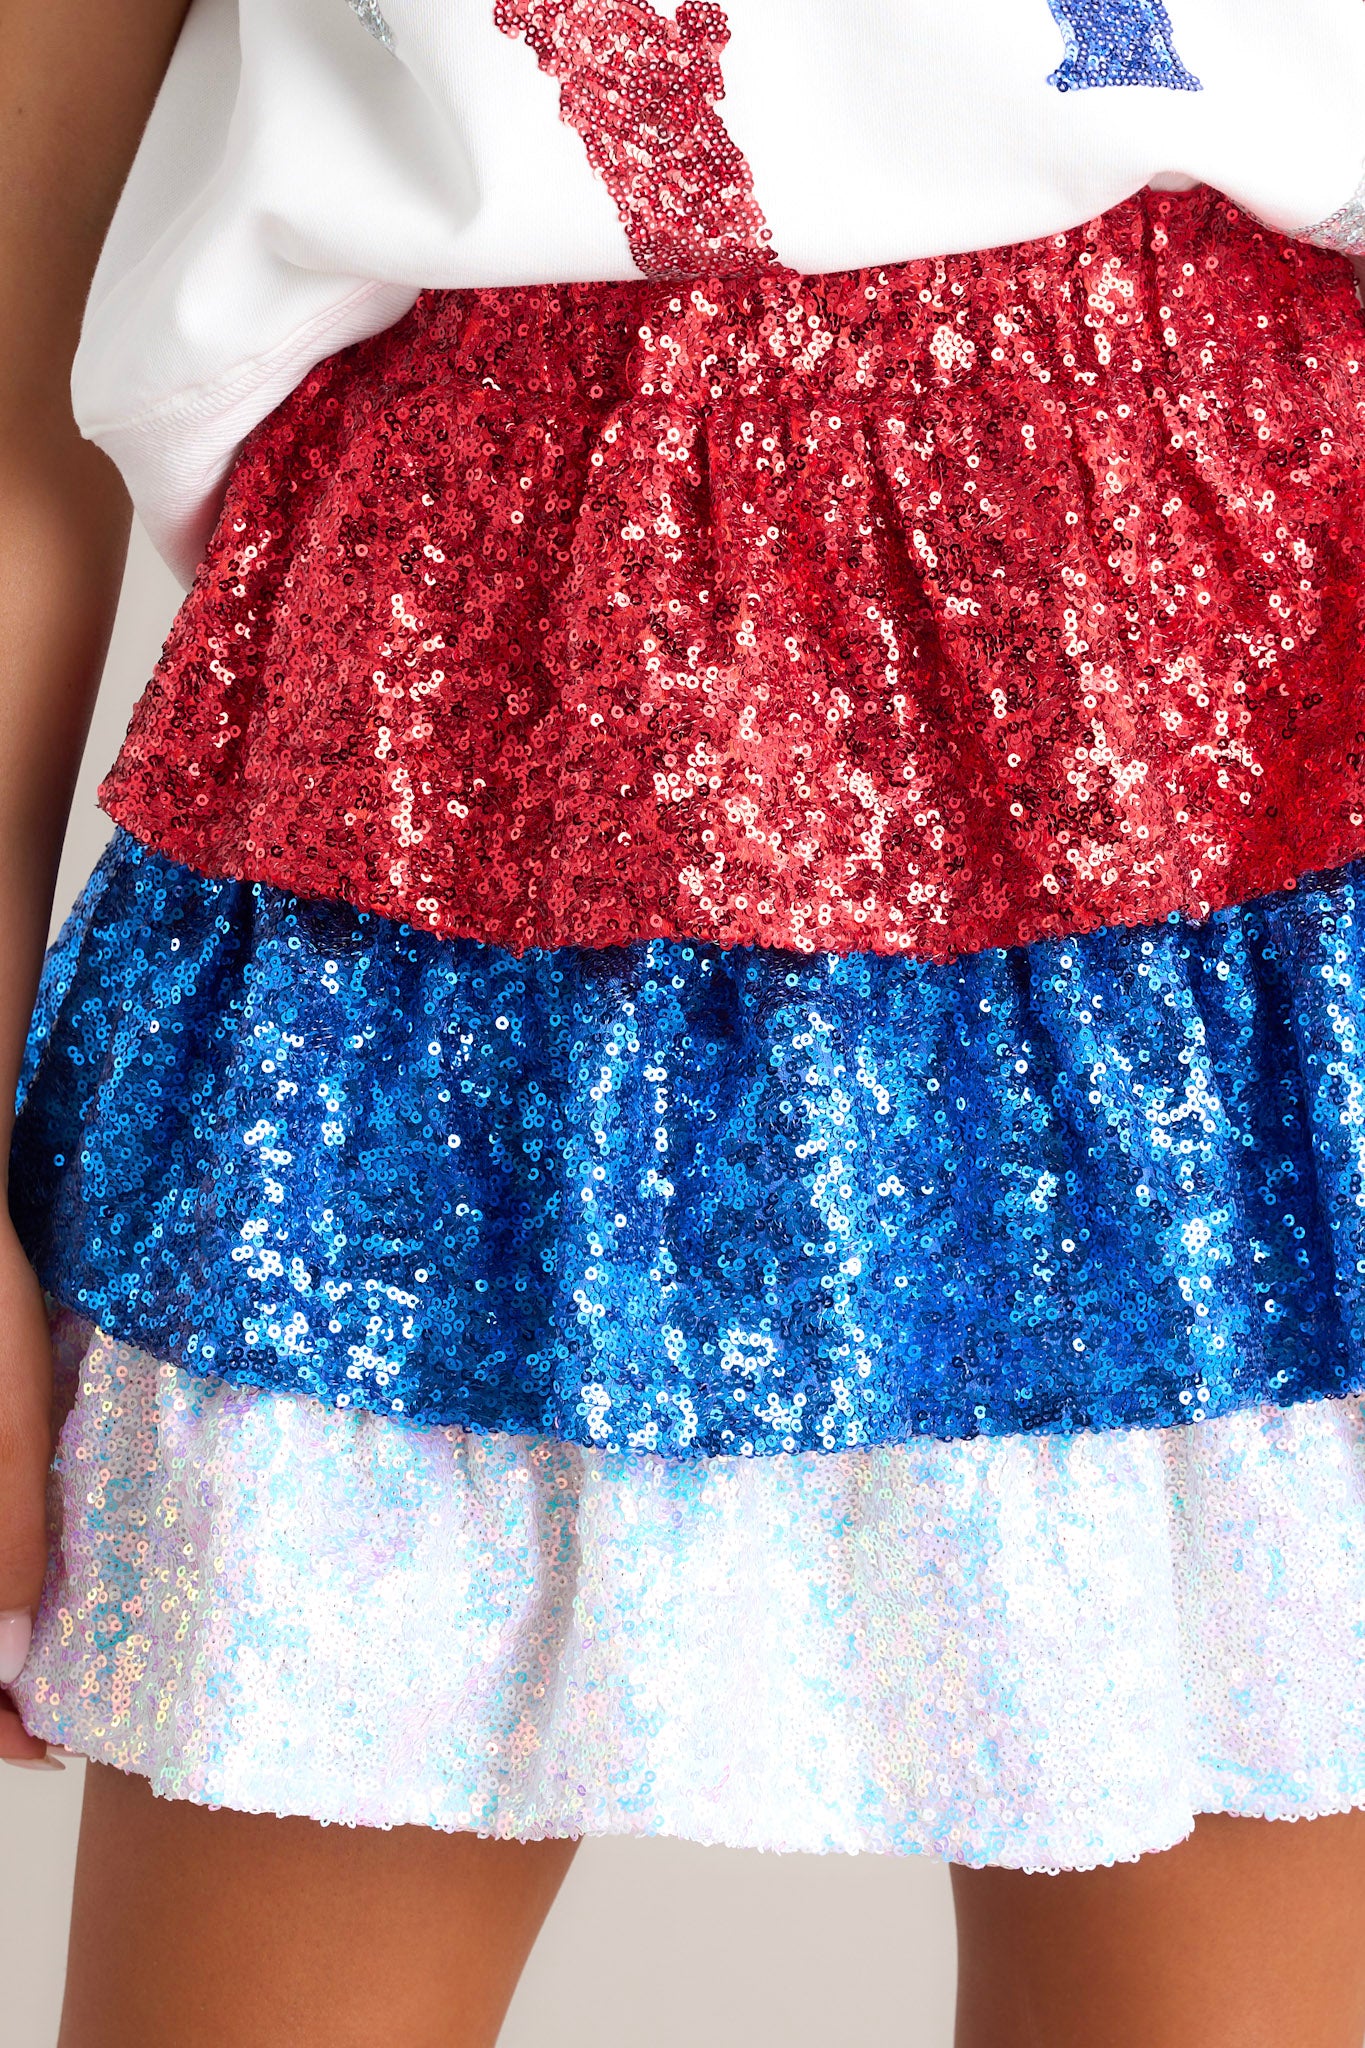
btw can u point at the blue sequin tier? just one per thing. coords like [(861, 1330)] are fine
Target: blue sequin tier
[(674, 1198)]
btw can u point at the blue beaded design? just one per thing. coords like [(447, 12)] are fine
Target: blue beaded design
[(1118, 42), (672, 1198)]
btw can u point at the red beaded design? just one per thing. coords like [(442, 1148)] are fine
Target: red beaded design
[(929, 609), (641, 90)]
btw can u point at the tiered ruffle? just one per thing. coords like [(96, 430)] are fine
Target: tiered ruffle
[(911, 611), (708, 877), (677, 1199), (1037, 1651)]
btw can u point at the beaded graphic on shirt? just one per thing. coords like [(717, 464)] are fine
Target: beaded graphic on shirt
[(374, 21), (1108, 43), (1118, 42), (641, 92)]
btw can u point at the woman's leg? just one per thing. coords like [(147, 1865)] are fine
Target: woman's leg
[(211, 1929), (1251, 1934)]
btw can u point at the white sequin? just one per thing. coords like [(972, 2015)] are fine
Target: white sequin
[(374, 21), (1045, 1653), (1345, 229)]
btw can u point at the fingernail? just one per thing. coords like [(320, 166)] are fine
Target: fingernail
[(32, 1763), (16, 1632)]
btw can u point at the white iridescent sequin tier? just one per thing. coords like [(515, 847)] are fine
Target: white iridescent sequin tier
[(1036, 1652)]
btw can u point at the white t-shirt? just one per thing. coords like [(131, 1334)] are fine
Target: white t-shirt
[(311, 165)]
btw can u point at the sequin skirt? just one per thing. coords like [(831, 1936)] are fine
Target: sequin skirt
[(914, 611), (1034, 1651), (717, 1056), (702, 1201)]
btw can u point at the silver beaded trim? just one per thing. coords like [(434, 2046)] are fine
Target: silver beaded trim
[(1345, 229), (374, 21)]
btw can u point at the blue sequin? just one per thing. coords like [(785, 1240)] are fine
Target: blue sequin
[(1118, 42), (672, 1198)]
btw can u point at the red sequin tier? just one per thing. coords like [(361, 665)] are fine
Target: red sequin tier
[(925, 609)]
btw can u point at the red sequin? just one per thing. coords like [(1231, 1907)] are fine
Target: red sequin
[(641, 91), (928, 609)]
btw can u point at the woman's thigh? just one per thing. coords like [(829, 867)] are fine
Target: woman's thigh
[(211, 1929), (1250, 1934)]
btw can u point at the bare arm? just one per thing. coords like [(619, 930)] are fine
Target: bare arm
[(76, 85)]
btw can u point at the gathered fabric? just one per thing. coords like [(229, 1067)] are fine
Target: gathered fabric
[(698, 1150), (702, 1202), (922, 610), (1038, 1652)]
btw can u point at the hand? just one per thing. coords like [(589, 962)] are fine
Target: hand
[(25, 1450)]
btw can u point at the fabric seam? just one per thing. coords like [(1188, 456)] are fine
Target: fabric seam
[(201, 401)]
